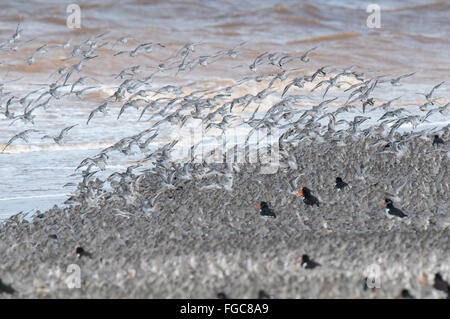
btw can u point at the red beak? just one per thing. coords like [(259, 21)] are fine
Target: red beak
[(299, 192), (299, 261), (258, 206), (384, 203)]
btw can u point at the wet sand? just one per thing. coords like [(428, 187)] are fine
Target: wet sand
[(196, 241)]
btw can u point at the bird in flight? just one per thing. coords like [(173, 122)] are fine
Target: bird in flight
[(22, 135), (58, 139)]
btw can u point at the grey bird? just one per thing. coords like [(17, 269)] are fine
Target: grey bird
[(22, 135), (59, 138)]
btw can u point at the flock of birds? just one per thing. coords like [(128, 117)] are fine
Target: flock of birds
[(297, 117), (311, 200), (215, 106), (439, 283)]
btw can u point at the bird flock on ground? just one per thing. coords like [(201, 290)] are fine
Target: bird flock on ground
[(308, 123)]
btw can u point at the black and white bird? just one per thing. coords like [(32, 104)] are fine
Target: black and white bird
[(441, 284), (263, 295), (80, 252), (4, 288), (340, 184), (265, 210), (221, 295), (391, 210), (404, 294), (308, 198), (437, 140), (307, 263)]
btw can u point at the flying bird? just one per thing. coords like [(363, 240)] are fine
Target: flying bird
[(22, 135), (58, 139)]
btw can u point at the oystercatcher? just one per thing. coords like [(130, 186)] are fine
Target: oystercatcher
[(405, 294), (263, 295), (391, 210), (6, 288), (437, 140), (441, 284), (340, 184), (307, 263), (221, 295), (308, 199), (265, 210), (365, 286), (80, 252)]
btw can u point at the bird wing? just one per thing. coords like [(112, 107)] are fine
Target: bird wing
[(65, 131)]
